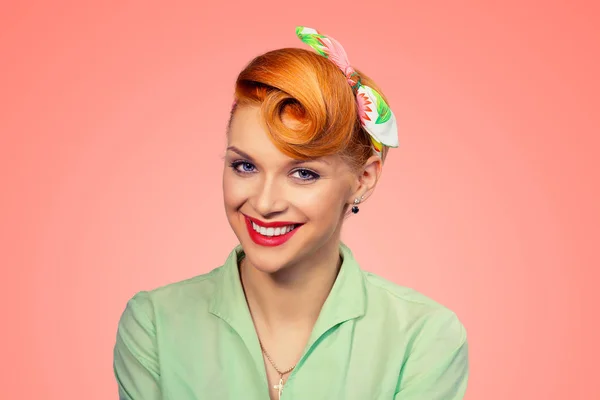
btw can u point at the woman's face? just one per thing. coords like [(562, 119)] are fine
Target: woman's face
[(263, 187)]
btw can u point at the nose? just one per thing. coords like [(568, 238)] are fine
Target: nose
[(270, 199)]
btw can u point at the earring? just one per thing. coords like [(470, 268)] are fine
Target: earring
[(355, 207)]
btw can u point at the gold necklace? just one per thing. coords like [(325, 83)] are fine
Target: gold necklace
[(278, 387)]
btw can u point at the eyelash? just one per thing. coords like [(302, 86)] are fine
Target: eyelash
[(235, 164)]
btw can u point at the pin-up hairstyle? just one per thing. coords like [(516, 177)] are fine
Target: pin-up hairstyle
[(309, 88)]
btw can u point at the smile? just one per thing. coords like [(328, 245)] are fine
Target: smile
[(270, 233)]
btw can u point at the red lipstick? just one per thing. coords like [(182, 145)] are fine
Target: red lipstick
[(269, 240)]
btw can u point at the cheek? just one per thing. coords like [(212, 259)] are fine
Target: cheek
[(234, 192), (322, 205)]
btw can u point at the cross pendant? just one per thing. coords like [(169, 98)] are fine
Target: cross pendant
[(280, 386)]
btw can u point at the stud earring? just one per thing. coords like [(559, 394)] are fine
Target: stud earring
[(355, 207)]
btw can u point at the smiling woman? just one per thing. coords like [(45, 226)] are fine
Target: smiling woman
[(291, 314)]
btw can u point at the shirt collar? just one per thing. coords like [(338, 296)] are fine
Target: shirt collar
[(346, 300)]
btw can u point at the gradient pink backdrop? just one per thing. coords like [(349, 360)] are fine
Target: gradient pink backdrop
[(112, 121)]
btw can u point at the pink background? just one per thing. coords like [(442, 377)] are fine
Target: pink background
[(112, 121)]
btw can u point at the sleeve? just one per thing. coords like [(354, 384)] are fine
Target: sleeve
[(437, 367), (135, 362)]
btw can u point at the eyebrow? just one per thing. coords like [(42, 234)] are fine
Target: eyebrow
[(294, 162)]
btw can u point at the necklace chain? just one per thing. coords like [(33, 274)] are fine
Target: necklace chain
[(281, 373)]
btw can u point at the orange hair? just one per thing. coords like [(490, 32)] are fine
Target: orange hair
[(313, 91)]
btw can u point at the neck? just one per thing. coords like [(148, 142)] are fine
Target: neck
[(292, 297)]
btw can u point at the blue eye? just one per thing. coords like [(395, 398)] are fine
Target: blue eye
[(246, 167), (306, 175)]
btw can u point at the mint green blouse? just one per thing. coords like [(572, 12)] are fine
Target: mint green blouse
[(373, 340)]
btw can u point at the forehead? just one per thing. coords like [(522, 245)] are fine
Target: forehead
[(248, 133)]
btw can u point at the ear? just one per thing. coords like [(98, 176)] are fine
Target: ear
[(367, 178)]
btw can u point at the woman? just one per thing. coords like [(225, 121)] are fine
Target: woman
[(290, 314)]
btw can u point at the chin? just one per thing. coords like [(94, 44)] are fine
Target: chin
[(270, 260), (275, 259), (266, 263), (272, 255)]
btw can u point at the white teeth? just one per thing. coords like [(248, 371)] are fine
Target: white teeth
[(272, 231)]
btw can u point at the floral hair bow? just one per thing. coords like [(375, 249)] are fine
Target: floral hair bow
[(375, 115)]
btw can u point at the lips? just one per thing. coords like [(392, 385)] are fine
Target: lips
[(273, 224), (264, 240)]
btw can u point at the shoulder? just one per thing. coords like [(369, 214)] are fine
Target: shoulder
[(175, 297), (429, 339), (411, 312), (400, 295)]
